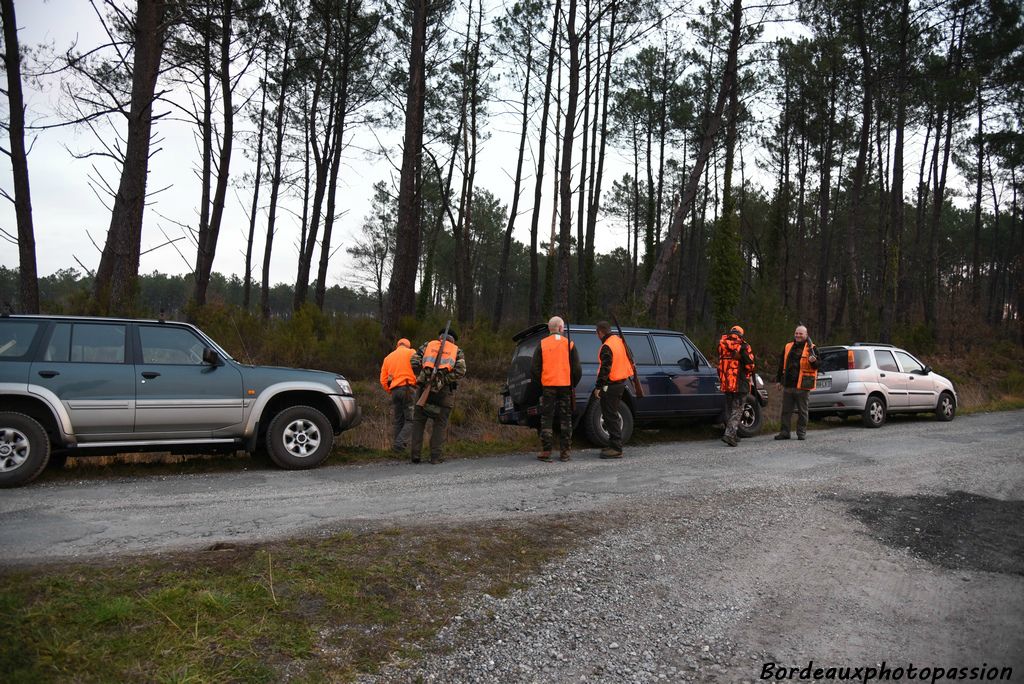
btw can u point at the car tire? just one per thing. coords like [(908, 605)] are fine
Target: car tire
[(945, 410), (750, 422), (24, 449), (299, 438), (594, 424), (874, 413)]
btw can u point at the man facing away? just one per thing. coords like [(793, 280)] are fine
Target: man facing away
[(438, 369), (735, 368), (611, 383), (798, 372), (557, 369), (399, 381)]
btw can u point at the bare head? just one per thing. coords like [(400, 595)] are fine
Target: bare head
[(800, 334), (556, 325), (604, 329)]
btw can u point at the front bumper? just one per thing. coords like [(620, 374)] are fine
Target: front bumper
[(349, 413)]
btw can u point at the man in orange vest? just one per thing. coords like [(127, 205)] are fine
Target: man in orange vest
[(735, 368), (556, 368), (611, 383), (440, 369), (398, 380), (798, 372)]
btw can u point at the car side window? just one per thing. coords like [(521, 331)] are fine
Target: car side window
[(59, 346), (672, 350), (168, 345), (94, 343), (587, 345), (640, 345), (909, 363), (16, 339), (885, 361)]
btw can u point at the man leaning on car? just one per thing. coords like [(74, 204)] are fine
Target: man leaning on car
[(797, 374)]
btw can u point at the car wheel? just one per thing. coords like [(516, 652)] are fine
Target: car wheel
[(750, 421), (24, 449), (874, 413), (595, 429), (946, 409), (299, 437)]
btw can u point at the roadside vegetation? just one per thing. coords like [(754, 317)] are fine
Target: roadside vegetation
[(305, 610)]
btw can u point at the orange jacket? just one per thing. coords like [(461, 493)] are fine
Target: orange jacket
[(808, 376), (396, 371), (735, 363), (555, 369), (620, 368)]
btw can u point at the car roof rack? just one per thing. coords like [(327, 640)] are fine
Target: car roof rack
[(873, 344)]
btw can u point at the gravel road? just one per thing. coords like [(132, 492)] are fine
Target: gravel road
[(900, 545)]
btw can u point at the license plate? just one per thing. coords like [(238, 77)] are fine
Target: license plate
[(508, 403), (824, 384)]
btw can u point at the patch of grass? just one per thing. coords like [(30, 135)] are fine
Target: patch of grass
[(308, 609)]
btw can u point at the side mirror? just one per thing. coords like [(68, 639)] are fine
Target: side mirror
[(211, 356), (926, 370), (686, 364)]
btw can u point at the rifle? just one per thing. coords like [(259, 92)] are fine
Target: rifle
[(638, 390), (422, 401), (572, 387)]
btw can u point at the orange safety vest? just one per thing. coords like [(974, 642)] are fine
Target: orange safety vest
[(621, 368), (448, 358), (730, 347), (396, 371), (555, 369), (808, 375)]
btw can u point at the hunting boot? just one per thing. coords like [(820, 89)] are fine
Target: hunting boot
[(564, 456), (545, 456)]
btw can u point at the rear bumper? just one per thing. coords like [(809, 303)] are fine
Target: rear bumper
[(851, 401)]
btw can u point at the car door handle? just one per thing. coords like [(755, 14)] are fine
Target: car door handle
[(881, 375), (149, 375), (49, 373), (910, 377)]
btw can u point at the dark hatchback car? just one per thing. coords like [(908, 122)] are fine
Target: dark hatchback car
[(678, 383)]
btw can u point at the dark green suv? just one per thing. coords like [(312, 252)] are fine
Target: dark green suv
[(86, 386)]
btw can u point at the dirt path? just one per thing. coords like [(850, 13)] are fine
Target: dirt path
[(855, 548)]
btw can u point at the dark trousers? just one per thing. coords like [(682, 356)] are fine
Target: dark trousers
[(794, 400), (403, 399), (734, 402), (556, 400), (610, 413), (439, 413)]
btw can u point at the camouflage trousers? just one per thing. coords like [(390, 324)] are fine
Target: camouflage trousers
[(734, 402), (556, 400)]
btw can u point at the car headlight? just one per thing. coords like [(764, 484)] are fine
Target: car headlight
[(344, 386)]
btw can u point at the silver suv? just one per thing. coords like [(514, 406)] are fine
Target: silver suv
[(875, 380), (81, 386)]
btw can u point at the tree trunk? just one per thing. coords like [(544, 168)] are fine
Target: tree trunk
[(275, 179), (118, 272), (660, 270), (534, 294), (976, 250), (565, 220), (27, 276), (208, 247), (897, 214), (247, 286), (402, 287)]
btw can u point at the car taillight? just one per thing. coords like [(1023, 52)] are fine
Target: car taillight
[(849, 360)]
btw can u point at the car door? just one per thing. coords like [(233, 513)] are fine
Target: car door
[(690, 388), (646, 369), (920, 387), (86, 365), (178, 394), (892, 379)]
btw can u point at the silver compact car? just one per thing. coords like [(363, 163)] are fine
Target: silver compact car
[(875, 380)]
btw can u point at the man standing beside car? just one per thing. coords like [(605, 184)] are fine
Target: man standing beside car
[(438, 368), (399, 381), (611, 383), (796, 377), (735, 368), (556, 368)]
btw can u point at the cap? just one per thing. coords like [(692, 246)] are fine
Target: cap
[(736, 329), (451, 333)]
